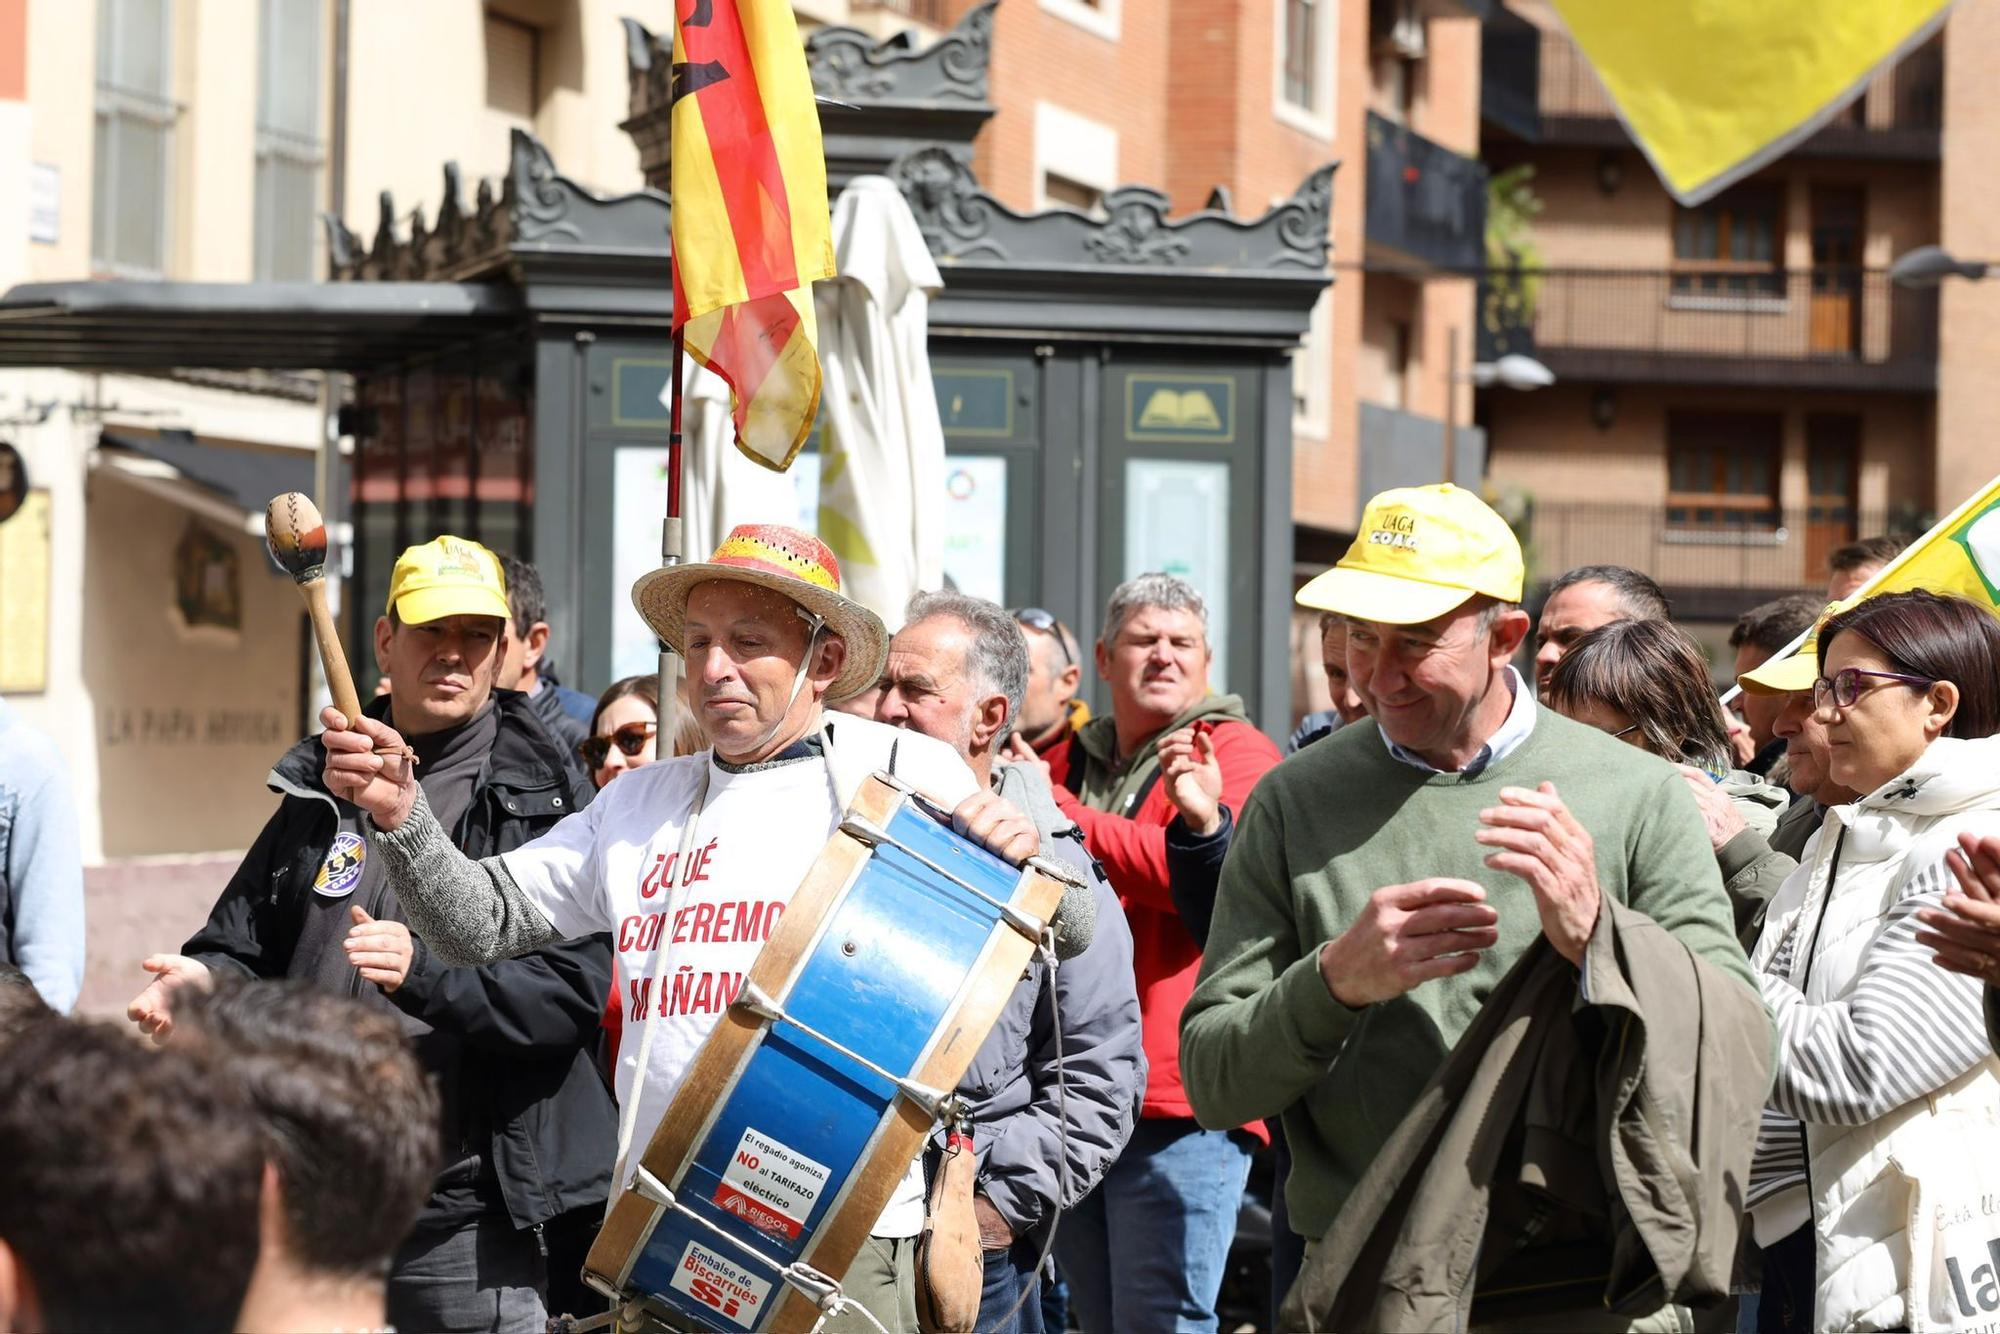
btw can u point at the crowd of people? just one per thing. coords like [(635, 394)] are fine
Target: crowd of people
[(1567, 999)]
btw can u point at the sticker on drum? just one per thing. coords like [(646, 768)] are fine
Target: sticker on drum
[(726, 1288), (771, 1187)]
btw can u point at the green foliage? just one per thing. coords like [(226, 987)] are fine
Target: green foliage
[(1513, 260)]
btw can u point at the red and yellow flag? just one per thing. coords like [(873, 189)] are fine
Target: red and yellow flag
[(751, 232)]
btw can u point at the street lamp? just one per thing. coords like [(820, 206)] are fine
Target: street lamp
[(1929, 265), (1512, 371)]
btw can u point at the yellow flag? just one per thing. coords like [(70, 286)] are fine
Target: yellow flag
[(1960, 556), (1712, 90), (751, 232)]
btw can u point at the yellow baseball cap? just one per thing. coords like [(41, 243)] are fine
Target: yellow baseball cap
[(1783, 676), (1421, 551), (447, 576)]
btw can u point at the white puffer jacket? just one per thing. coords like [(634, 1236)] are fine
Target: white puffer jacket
[(1882, 1055)]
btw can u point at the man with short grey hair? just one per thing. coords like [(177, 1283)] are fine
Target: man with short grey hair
[(987, 657), (1171, 1200), (1586, 598), (957, 671)]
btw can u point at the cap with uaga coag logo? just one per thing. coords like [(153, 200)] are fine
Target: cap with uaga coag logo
[(1421, 551), (1797, 671), (448, 576)]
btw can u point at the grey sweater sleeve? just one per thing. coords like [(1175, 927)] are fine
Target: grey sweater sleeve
[(468, 912)]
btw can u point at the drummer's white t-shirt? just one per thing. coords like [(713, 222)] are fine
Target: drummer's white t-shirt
[(616, 866)]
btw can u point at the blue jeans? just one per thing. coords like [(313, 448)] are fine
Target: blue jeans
[(1146, 1250), (1288, 1248), (1003, 1309)]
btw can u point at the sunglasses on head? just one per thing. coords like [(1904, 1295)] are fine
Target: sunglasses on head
[(630, 740), (1037, 619)]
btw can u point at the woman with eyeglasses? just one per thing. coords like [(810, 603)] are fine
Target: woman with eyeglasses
[(1884, 1077), (1647, 683)]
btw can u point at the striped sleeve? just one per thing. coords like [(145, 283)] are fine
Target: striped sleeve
[(1779, 1161), (1907, 1027)]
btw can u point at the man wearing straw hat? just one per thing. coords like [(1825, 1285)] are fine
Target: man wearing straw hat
[(699, 853)]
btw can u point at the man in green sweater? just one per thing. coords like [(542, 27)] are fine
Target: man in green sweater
[(1383, 881)]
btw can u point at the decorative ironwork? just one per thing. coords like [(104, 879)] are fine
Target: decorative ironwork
[(962, 223), (850, 66), (534, 210), (537, 197)]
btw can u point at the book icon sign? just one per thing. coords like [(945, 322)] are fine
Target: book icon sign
[(1186, 409), (1190, 408)]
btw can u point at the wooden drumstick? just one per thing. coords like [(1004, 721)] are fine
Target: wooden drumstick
[(295, 534)]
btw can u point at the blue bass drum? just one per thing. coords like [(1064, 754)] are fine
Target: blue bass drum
[(804, 1108)]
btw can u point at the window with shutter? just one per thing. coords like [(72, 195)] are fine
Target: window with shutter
[(134, 137), (289, 151), (512, 55)]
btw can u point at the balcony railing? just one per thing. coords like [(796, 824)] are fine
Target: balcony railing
[(1899, 116), (1715, 568), (1425, 203), (1510, 67), (1826, 327)]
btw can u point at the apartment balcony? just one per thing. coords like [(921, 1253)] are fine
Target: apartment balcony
[(1716, 560), (1899, 117), (1426, 205), (1399, 448), (1510, 67), (1826, 328)]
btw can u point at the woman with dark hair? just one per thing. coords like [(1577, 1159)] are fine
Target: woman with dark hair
[(624, 728), (1884, 1073), (1647, 683)]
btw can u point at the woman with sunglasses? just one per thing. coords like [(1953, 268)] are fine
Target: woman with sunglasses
[(1647, 683), (624, 731), (1883, 1069)]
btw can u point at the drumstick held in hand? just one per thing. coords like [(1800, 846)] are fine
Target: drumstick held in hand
[(295, 535)]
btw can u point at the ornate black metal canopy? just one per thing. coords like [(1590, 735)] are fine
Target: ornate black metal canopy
[(538, 226), (878, 99), (1131, 271)]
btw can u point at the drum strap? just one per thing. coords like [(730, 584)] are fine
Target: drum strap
[(628, 1115)]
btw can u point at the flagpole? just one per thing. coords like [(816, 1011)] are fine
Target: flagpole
[(670, 554)]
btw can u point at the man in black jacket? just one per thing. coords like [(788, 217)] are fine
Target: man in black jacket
[(527, 1124)]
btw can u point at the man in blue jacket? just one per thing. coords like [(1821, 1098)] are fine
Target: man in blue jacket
[(527, 1125)]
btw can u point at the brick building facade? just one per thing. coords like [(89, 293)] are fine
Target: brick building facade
[(1741, 387)]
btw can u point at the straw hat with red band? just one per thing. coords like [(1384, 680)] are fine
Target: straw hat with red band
[(784, 560)]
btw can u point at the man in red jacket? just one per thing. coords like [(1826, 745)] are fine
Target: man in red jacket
[(1171, 1199)]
